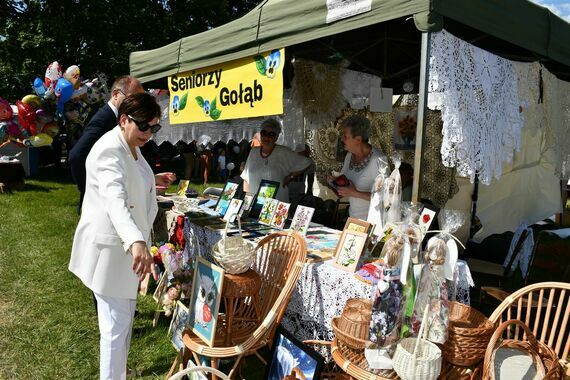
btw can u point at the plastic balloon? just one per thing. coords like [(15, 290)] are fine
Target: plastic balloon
[(230, 166), (93, 93), (72, 75), (53, 73), (39, 87), (51, 129), (63, 90), (5, 110), (41, 139), (26, 117), (236, 149), (32, 100)]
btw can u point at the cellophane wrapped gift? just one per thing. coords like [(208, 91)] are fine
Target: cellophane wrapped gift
[(392, 197), (432, 289), (389, 294), (377, 199)]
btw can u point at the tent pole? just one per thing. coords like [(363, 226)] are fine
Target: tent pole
[(422, 108)]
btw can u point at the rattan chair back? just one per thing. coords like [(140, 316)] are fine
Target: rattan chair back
[(545, 309)]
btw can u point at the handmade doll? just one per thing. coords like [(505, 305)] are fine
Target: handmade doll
[(392, 196), (376, 202), (440, 257)]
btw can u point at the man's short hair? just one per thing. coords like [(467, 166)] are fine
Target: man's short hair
[(125, 83)]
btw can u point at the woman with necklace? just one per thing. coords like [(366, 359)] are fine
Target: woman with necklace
[(361, 165), (272, 162)]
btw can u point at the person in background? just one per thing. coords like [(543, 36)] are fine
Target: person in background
[(189, 154), (205, 161), (272, 162), (222, 165), (361, 165), (110, 252), (103, 121), (303, 183), (407, 178)]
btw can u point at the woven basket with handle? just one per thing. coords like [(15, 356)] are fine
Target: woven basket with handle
[(417, 358), (517, 359), (469, 332), (233, 253), (352, 327)]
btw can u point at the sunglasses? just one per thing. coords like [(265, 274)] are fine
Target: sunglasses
[(143, 127), (263, 132)]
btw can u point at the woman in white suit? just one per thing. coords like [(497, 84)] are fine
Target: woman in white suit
[(110, 248)]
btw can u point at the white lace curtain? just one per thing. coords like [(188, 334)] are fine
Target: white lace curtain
[(479, 106)]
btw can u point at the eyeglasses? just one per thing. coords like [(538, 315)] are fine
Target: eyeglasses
[(263, 132), (143, 127), (121, 91)]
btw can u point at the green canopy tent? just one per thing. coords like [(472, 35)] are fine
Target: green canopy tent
[(391, 40)]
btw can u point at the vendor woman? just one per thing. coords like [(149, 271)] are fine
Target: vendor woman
[(272, 162), (361, 164)]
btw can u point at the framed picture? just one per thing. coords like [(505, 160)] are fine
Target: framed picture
[(205, 299), (427, 216), (182, 187), (349, 249), (291, 357), (229, 192), (246, 206), (267, 190), (177, 325), (268, 210), (302, 219), (280, 215), (405, 129), (353, 224), (233, 210), (160, 287)]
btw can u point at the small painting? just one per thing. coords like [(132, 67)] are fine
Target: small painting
[(228, 193), (246, 206), (280, 215), (160, 287), (292, 359), (353, 224), (177, 326), (268, 210), (302, 219), (233, 210), (405, 129), (205, 299), (182, 187), (349, 249)]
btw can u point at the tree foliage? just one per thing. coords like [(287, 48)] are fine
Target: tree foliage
[(97, 35)]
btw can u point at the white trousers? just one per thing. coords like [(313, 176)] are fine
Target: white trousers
[(115, 326)]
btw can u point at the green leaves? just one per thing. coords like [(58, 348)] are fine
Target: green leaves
[(260, 63), (200, 101), (183, 102), (215, 114), (213, 105)]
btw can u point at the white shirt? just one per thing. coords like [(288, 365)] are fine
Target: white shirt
[(113, 108), (280, 163), (363, 181)]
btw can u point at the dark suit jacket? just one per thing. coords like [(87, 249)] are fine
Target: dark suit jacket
[(102, 122)]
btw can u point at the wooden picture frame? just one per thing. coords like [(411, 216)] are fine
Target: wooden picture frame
[(205, 299), (160, 287), (348, 250), (358, 225), (289, 355), (177, 325)]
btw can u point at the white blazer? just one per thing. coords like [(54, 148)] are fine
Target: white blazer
[(115, 213)]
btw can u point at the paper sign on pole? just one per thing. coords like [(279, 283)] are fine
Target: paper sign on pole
[(246, 87)]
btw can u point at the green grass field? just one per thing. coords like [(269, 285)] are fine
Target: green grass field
[(48, 327)]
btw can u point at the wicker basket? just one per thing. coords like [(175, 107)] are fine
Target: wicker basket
[(542, 359), (353, 326), (233, 253), (417, 358), (469, 332)]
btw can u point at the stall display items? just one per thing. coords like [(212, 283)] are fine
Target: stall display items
[(322, 240), (302, 219), (427, 216), (280, 215), (268, 211), (376, 201), (291, 359), (247, 202), (205, 299), (233, 210), (267, 190), (177, 326), (353, 224), (349, 248), (229, 192)]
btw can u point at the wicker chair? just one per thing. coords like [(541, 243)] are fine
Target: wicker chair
[(180, 375), (280, 260), (547, 317)]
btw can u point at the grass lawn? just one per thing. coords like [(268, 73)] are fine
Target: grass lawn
[(48, 327)]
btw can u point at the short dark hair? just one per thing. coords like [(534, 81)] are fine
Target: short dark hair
[(358, 125), (141, 106)]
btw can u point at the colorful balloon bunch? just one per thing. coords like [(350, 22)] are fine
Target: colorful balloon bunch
[(60, 97)]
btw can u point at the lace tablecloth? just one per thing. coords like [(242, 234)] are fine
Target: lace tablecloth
[(323, 290)]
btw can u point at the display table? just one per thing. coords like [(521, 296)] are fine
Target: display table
[(322, 289)]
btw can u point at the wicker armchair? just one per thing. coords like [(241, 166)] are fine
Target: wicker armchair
[(280, 260), (547, 317)]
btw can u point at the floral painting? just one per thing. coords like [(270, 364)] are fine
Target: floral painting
[(269, 207), (280, 215), (349, 249), (301, 219)]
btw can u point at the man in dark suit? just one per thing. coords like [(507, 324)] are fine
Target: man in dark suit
[(103, 121)]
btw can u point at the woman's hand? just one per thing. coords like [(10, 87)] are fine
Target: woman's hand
[(347, 191), (164, 179), (143, 262)]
